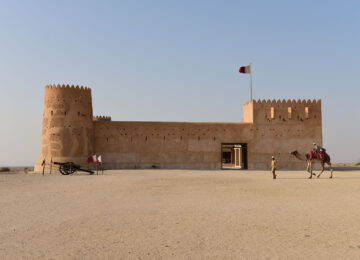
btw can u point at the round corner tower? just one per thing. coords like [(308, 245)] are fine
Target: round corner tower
[(67, 132)]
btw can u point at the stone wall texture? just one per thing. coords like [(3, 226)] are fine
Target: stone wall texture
[(67, 133), (71, 133)]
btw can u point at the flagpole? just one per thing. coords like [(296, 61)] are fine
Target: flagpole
[(251, 83)]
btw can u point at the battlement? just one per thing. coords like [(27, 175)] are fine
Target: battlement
[(56, 91), (102, 118), (66, 87), (288, 101), (265, 111)]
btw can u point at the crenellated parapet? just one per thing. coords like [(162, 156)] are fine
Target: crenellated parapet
[(69, 91), (282, 111), (63, 86), (101, 118), (288, 101)]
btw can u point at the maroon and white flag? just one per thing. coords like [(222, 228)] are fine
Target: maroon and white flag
[(245, 69), (99, 160)]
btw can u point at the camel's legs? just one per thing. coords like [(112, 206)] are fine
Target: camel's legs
[(331, 170), (322, 169), (310, 166)]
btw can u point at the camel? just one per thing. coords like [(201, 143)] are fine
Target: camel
[(313, 157)]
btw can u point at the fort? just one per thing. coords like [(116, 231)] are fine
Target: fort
[(70, 132)]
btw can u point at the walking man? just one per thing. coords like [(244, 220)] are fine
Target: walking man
[(273, 166)]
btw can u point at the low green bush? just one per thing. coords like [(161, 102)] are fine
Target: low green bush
[(4, 169)]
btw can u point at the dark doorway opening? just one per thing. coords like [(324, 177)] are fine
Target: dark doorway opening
[(234, 156)]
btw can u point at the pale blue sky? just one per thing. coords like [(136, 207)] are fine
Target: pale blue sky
[(178, 61)]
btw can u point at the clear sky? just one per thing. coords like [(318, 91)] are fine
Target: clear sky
[(178, 61)]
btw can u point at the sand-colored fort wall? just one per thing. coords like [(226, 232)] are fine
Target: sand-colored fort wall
[(71, 133), (198, 145), (67, 133), (280, 127), (165, 144)]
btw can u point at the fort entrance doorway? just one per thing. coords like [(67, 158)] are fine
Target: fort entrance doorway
[(234, 156)]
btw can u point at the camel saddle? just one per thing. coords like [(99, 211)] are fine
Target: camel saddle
[(318, 154)]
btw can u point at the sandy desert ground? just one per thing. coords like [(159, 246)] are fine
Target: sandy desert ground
[(175, 214)]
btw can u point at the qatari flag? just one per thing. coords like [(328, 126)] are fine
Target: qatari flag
[(245, 69)]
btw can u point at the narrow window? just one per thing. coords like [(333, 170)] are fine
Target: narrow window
[(78, 113), (52, 112), (306, 112), (65, 113), (289, 112), (272, 113)]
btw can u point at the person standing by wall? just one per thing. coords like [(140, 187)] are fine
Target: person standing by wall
[(273, 166)]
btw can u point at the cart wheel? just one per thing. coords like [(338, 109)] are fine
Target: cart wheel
[(69, 168), (72, 170), (62, 170)]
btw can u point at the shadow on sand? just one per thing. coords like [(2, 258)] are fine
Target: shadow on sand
[(343, 168)]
